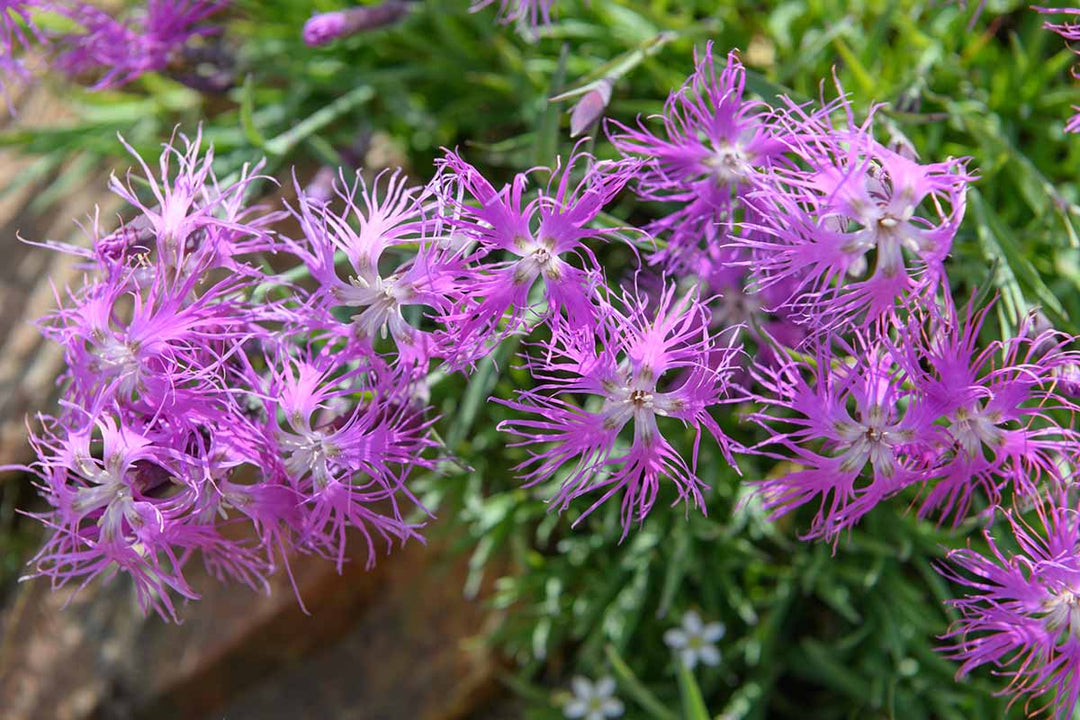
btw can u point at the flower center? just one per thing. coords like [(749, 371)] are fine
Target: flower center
[(312, 453), (887, 222), (537, 258), (871, 440), (973, 427), (541, 256), (727, 163), (1062, 611)]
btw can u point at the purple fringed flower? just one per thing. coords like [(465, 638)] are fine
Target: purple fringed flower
[(845, 227), (1005, 421), (324, 28), (544, 241), (530, 13), (16, 22), (155, 347), (194, 222), (403, 224), (122, 501), (122, 51), (346, 468), (848, 419), (632, 369), (1070, 31), (1021, 611), (862, 422), (714, 146)]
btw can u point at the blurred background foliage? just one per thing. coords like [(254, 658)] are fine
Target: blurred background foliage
[(813, 631)]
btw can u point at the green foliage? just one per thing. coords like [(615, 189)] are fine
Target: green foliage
[(813, 631)]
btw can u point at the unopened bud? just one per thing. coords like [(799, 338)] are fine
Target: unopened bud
[(327, 27), (590, 108)]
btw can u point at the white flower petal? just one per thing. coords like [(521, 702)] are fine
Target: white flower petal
[(582, 687), (709, 655), (675, 639), (575, 708), (691, 622), (605, 687), (595, 714), (713, 632), (613, 707), (689, 658)]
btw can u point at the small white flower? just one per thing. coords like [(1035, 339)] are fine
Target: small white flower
[(695, 640), (593, 701)]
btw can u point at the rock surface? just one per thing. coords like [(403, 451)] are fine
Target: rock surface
[(397, 642)]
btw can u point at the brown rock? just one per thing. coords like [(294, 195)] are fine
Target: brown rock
[(395, 642)]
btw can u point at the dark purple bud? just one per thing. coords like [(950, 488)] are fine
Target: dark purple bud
[(327, 27)]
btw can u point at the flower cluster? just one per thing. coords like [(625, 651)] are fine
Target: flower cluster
[(844, 230), (830, 248), (610, 356), (202, 393), (205, 390), (868, 419)]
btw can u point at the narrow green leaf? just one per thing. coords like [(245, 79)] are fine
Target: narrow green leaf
[(547, 127), (633, 687), (693, 704), (315, 122), (247, 114)]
